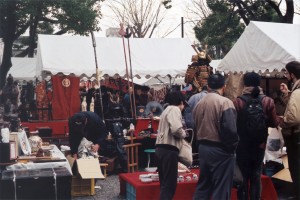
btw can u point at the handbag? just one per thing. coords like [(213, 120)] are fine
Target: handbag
[(275, 140), (185, 153)]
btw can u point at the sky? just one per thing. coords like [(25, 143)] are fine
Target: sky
[(171, 21)]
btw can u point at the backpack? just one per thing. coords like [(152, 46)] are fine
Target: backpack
[(252, 122)]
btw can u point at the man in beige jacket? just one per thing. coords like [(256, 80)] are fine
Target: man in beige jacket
[(290, 124)]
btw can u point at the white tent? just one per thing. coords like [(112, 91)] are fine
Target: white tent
[(149, 57), (23, 68), (262, 46)]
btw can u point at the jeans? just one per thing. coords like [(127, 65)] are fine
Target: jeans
[(251, 168)]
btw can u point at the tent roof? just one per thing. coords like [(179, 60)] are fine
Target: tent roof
[(262, 46), (23, 68), (149, 57)]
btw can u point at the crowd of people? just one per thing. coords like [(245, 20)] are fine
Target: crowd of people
[(228, 132)]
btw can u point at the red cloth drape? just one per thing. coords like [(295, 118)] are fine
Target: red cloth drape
[(66, 100)]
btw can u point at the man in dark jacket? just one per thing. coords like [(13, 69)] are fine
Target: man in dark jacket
[(251, 149), (215, 124), (88, 125)]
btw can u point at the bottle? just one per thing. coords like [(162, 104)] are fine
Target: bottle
[(150, 124), (109, 136), (83, 104), (92, 105), (131, 127)]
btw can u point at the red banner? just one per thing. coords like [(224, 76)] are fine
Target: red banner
[(66, 100)]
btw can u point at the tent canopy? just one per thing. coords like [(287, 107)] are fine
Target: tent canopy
[(149, 57), (263, 46), (23, 68)]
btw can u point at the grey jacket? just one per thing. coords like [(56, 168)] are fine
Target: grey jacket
[(215, 120), (170, 129)]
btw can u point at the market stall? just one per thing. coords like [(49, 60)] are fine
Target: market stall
[(74, 55), (264, 47)]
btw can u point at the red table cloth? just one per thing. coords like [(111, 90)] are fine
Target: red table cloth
[(185, 190)]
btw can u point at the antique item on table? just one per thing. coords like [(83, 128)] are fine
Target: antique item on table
[(146, 180), (40, 153), (4, 135), (35, 143), (47, 153), (24, 143)]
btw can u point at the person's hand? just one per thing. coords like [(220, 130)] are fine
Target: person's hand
[(75, 156), (95, 147), (281, 121), (284, 89)]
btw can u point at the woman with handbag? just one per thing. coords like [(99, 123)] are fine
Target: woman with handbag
[(169, 140)]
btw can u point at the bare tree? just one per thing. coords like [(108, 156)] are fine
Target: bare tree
[(143, 16), (197, 10)]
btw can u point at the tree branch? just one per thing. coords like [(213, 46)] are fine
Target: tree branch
[(275, 7), (45, 19)]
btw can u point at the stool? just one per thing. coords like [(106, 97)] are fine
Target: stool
[(149, 151), (104, 166)]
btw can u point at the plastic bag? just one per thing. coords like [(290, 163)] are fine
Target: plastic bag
[(275, 140)]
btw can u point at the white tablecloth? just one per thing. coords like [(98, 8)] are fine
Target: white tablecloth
[(56, 153)]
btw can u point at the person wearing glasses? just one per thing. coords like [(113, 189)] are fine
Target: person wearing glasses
[(290, 122)]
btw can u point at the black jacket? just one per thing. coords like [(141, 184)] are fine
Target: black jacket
[(94, 130)]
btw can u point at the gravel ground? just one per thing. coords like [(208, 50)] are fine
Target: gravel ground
[(109, 189)]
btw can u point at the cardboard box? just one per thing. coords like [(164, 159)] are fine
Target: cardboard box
[(283, 175), (82, 187), (285, 161), (89, 168), (84, 183)]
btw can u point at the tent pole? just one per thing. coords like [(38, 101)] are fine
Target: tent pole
[(130, 65), (98, 76), (122, 33)]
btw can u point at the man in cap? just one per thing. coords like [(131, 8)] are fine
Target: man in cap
[(89, 125)]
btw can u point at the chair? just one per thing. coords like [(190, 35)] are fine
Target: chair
[(132, 156)]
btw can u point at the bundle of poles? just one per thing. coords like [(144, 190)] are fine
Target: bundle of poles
[(124, 34)]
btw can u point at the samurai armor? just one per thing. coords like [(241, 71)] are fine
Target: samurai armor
[(191, 72)]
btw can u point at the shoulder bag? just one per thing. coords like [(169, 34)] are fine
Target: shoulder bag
[(185, 153)]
